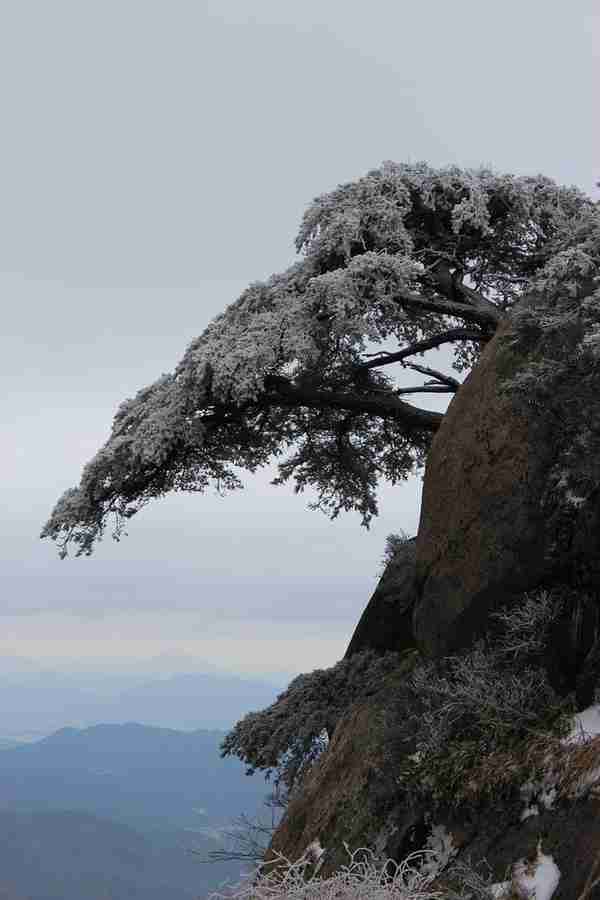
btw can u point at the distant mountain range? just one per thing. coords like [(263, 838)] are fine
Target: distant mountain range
[(114, 811), (40, 701), (148, 778)]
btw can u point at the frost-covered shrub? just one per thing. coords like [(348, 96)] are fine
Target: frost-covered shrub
[(365, 878), (288, 736), (470, 882), (473, 711), (525, 627), (564, 303)]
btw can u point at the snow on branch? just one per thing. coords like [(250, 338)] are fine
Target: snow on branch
[(408, 254)]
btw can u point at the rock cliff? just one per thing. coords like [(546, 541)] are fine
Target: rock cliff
[(510, 506), (510, 498)]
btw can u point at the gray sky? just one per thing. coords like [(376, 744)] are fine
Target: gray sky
[(156, 157)]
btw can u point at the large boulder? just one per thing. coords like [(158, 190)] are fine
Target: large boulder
[(511, 497), (510, 500)]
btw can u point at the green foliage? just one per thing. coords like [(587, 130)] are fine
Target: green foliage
[(288, 736)]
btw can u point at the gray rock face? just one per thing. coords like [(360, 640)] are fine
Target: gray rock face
[(386, 623)]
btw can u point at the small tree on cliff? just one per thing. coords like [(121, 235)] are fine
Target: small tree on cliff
[(409, 256)]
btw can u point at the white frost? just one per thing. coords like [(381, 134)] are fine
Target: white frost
[(536, 880), (586, 725), (529, 811), (574, 499), (593, 336), (547, 798), (536, 794)]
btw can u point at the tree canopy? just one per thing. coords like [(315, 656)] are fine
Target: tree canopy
[(408, 255)]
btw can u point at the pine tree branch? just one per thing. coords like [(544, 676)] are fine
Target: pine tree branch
[(426, 389), (484, 313), (444, 337), (452, 383), (479, 301), (450, 285), (288, 394)]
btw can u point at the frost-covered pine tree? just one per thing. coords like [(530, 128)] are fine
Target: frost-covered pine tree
[(408, 257)]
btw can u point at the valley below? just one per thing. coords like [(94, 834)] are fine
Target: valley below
[(124, 810)]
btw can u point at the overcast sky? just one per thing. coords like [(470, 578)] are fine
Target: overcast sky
[(156, 157)]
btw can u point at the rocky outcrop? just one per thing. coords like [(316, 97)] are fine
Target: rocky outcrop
[(511, 498), (352, 793), (511, 504), (569, 833), (512, 485), (511, 501), (386, 623), (356, 797)]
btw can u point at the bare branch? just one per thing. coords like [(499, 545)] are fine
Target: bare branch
[(248, 841), (448, 380), (387, 406), (444, 337), (427, 389)]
